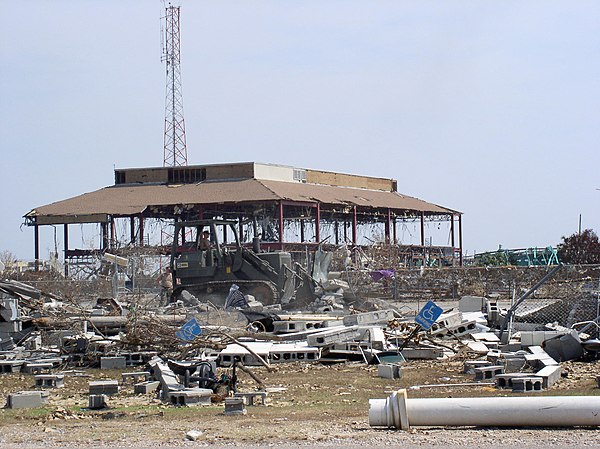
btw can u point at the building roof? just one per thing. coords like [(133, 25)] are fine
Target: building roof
[(133, 199)]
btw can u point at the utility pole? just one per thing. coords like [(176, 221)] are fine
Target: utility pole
[(175, 153)]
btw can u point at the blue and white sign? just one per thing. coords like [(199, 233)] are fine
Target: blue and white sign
[(189, 331), (428, 314)]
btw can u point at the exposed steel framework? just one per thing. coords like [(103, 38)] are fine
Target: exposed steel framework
[(175, 153)]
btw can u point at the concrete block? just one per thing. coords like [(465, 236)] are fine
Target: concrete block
[(334, 335), (444, 321), (97, 401), (389, 371), (375, 317), (506, 380), (49, 380), (11, 366), (286, 352), (113, 362), (470, 365), (423, 353), (514, 364), (146, 387), (104, 387), (287, 327), (26, 399), (190, 397), (471, 304), (37, 367), (235, 406), (7, 344), (135, 376), (549, 375), (526, 384), (250, 397), (488, 372)]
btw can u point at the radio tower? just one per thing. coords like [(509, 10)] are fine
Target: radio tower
[(175, 147)]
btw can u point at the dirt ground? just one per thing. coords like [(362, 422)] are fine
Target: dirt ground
[(314, 405)]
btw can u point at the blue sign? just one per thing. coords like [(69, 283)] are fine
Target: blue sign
[(428, 314), (189, 331)]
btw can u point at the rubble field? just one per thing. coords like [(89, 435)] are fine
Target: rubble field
[(312, 404), (373, 358)]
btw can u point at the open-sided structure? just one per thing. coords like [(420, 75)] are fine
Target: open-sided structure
[(287, 208)]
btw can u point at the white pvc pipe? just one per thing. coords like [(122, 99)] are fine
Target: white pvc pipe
[(562, 411)]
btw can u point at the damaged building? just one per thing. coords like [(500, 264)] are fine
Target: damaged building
[(286, 208)]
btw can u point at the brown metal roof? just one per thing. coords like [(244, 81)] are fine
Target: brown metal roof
[(134, 199)]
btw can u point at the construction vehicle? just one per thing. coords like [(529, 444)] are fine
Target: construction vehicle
[(207, 271)]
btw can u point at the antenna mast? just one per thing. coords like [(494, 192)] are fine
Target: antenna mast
[(175, 147)]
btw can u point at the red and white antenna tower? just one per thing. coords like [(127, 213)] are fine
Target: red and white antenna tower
[(175, 146)]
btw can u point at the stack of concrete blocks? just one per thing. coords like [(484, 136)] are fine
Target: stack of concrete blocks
[(506, 380), (493, 313), (389, 370), (113, 362), (108, 387), (235, 352), (26, 399), (49, 380), (235, 406), (10, 322)]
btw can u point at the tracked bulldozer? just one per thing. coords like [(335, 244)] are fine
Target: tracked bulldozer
[(206, 266)]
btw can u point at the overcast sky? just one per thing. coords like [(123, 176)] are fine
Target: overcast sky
[(487, 107)]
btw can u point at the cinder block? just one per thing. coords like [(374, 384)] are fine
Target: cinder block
[(49, 380), (146, 387), (549, 374), (235, 406), (37, 367), (251, 397), (104, 387), (423, 353), (471, 304), (375, 317), (334, 335), (97, 401), (190, 397), (389, 371), (11, 366), (506, 380), (470, 365), (135, 377), (112, 363), (26, 399), (527, 384), (488, 372)]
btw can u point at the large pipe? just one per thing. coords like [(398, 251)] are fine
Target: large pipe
[(560, 411)]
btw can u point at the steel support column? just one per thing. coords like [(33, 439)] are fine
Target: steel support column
[(452, 237), (318, 224), (336, 227), (36, 246), (302, 239), (141, 230), (388, 219), (66, 244), (395, 232), (460, 242), (280, 222), (132, 230), (354, 226), (422, 228), (104, 237)]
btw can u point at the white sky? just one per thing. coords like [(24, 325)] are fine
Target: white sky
[(488, 107)]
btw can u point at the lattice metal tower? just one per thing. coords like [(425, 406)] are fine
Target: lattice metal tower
[(175, 146)]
